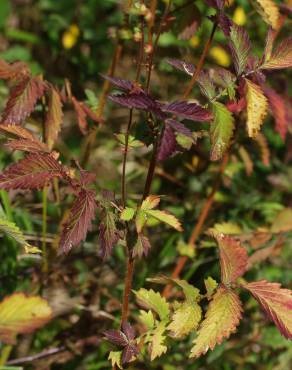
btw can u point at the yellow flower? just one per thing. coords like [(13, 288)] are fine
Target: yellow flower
[(194, 41), (239, 16), (70, 36), (220, 56)]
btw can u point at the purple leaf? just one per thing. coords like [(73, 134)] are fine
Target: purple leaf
[(116, 337), (217, 4), (79, 222), (179, 127), (182, 66), (129, 352), (167, 144), (108, 235), (120, 83), (142, 246), (240, 47), (128, 330), (191, 111), (225, 23)]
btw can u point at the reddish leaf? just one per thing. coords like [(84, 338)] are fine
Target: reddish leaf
[(236, 106), (81, 116), (32, 172), (217, 4), (167, 145), (182, 66), (116, 337), (240, 47), (79, 222), (120, 83), (191, 111), (130, 351), (54, 117), (27, 145), (179, 127), (281, 57), (22, 100), (277, 303), (189, 23), (233, 258), (128, 330), (17, 132), (279, 111), (13, 71), (142, 246)]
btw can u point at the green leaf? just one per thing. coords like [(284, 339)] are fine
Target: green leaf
[(157, 345), (283, 221), (185, 319), (211, 286), (227, 228), (221, 130), (147, 319), (165, 217), (150, 202), (14, 232), (192, 294), (222, 318), (184, 141), (127, 214), (116, 358), (154, 301), (141, 219)]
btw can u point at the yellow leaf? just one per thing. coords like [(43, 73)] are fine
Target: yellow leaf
[(222, 317), (157, 346), (185, 319), (283, 221), (21, 314), (257, 107), (269, 11)]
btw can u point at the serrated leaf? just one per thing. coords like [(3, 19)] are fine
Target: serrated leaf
[(54, 117), (189, 22), (263, 145), (147, 319), (127, 214), (206, 85), (179, 127), (269, 11), (32, 172), (192, 294), (211, 285), (279, 111), (240, 47), (154, 301), (22, 100), (185, 319), (281, 56), (14, 232), (26, 145), (120, 83), (221, 130), (116, 358), (167, 145), (13, 71), (182, 66), (158, 337), (222, 318), (166, 218), (228, 228), (257, 107), (233, 258), (108, 233), (191, 111), (276, 302), (21, 314), (283, 221), (79, 222), (142, 246), (116, 337), (17, 131), (150, 202)]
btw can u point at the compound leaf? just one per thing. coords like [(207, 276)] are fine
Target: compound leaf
[(281, 56), (269, 11), (240, 47), (54, 117)]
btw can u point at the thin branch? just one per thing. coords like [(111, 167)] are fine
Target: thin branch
[(200, 223), (200, 63)]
